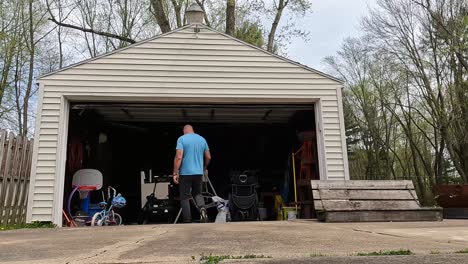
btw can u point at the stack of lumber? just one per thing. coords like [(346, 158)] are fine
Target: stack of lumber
[(370, 201)]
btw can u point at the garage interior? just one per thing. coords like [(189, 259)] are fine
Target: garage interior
[(123, 139)]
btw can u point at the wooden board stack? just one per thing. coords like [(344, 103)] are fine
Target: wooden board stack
[(370, 201)]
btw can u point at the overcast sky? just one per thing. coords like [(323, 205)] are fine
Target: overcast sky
[(330, 22)]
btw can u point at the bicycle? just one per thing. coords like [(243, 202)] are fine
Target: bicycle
[(107, 216)]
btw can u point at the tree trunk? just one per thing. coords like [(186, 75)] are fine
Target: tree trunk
[(177, 10), (271, 37), (59, 35), (6, 70), (160, 15), (8, 60), (230, 17), (455, 157), (439, 161), (32, 49), (18, 68)]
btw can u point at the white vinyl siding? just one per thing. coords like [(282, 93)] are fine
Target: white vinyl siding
[(209, 66)]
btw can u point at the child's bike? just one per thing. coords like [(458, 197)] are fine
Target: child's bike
[(107, 216)]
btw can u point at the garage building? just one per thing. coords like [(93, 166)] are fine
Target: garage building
[(127, 108)]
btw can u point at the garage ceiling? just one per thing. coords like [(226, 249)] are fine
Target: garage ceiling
[(195, 113)]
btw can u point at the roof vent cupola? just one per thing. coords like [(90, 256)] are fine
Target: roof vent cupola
[(194, 14)]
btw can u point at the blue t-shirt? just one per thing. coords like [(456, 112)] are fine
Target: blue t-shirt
[(194, 147)]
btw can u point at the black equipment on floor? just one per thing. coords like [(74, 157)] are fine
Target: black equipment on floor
[(159, 204), (243, 200)]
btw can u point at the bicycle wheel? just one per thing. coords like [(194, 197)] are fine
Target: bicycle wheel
[(96, 220), (115, 219)]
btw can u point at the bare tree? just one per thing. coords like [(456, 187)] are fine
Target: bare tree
[(230, 17), (410, 31), (177, 4), (160, 15), (9, 39), (297, 7), (406, 92), (274, 25)]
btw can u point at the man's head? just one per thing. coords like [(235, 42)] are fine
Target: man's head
[(188, 129)]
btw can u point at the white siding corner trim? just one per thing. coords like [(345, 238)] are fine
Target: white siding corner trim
[(322, 154), (62, 156), (32, 178), (343, 133)]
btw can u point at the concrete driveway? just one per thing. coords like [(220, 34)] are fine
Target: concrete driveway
[(287, 241)]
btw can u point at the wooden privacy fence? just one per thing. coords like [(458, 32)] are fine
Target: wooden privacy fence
[(15, 168)]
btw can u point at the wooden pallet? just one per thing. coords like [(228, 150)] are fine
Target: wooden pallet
[(370, 201)]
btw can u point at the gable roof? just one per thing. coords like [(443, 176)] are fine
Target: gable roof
[(111, 52), (199, 26), (278, 56)]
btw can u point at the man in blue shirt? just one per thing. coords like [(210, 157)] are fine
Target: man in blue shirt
[(190, 162)]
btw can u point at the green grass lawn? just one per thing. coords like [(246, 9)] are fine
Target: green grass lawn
[(31, 225), (387, 253), (217, 259)]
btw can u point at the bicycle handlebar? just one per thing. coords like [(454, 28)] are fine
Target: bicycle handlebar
[(109, 193)]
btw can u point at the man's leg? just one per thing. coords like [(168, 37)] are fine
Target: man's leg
[(185, 185), (197, 194), (197, 191)]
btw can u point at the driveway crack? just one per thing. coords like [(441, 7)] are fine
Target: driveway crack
[(88, 257), (378, 233)]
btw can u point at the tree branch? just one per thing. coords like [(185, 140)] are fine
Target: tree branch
[(101, 33), (202, 6), (445, 30), (177, 10)]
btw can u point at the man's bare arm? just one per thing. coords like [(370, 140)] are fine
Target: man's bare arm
[(207, 159), (177, 161)]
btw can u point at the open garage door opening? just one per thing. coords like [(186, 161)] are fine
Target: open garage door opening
[(122, 140)]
